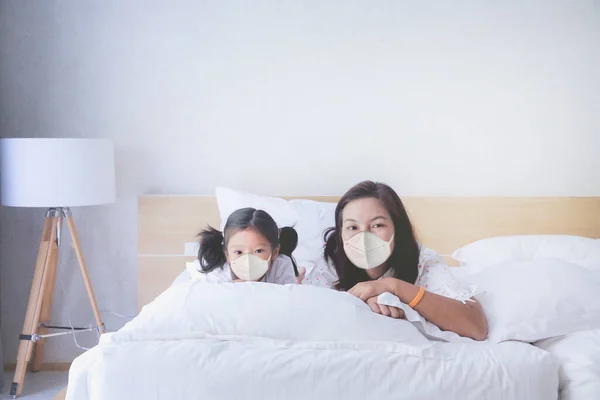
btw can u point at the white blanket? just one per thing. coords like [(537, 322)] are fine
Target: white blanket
[(579, 356), (284, 312), (259, 341)]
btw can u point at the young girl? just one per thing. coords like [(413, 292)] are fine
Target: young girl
[(250, 248)]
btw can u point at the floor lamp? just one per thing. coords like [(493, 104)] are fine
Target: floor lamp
[(54, 174)]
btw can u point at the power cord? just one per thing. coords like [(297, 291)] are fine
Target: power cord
[(73, 330)]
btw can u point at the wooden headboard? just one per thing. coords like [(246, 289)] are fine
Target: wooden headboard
[(167, 223)]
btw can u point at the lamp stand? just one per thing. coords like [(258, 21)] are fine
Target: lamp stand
[(39, 308)]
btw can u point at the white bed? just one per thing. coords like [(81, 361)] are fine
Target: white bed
[(175, 350), (153, 359)]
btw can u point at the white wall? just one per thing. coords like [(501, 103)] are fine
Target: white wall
[(289, 97)]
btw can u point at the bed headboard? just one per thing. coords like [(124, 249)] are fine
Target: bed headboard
[(167, 226)]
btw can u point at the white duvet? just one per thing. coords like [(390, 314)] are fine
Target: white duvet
[(261, 341), (579, 356)]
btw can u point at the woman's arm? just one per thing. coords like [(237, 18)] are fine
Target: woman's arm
[(448, 314)]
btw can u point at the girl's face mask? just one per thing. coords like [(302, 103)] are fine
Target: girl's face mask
[(250, 267), (247, 255)]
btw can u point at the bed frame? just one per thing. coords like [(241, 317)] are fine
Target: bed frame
[(167, 226)]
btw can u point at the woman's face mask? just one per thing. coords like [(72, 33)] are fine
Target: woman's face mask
[(367, 233), (367, 250)]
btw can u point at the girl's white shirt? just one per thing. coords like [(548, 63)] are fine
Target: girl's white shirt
[(281, 272)]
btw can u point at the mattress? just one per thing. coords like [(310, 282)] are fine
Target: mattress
[(152, 367)]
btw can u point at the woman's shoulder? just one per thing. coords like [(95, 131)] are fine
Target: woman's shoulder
[(321, 273), (435, 276), (426, 252)]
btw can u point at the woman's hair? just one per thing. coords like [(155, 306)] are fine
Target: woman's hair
[(213, 243), (404, 260)]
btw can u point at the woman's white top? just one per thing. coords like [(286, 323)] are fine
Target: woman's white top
[(281, 272), (433, 275)]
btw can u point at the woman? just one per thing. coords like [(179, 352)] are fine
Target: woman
[(373, 249)]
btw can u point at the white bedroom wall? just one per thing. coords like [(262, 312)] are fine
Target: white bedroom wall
[(289, 97)]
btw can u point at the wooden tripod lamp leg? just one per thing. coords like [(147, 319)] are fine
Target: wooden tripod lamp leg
[(47, 300), (84, 273), (34, 306)]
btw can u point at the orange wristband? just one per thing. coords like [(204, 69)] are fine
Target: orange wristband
[(417, 298)]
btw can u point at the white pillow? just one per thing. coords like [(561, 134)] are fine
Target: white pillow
[(281, 312), (534, 300), (309, 218), (487, 252), (230, 200), (579, 356)]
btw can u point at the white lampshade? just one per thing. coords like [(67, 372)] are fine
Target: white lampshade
[(56, 172)]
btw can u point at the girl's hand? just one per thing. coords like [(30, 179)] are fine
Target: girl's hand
[(382, 309), (301, 274), (366, 290)]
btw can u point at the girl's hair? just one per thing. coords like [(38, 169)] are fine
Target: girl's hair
[(404, 260), (213, 243)]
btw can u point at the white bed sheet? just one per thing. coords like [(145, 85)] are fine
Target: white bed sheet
[(152, 367)]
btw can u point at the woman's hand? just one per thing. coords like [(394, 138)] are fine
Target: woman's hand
[(388, 311), (366, 290)]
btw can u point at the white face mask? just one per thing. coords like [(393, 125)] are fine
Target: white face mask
[(366, 250), (250, 267)]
